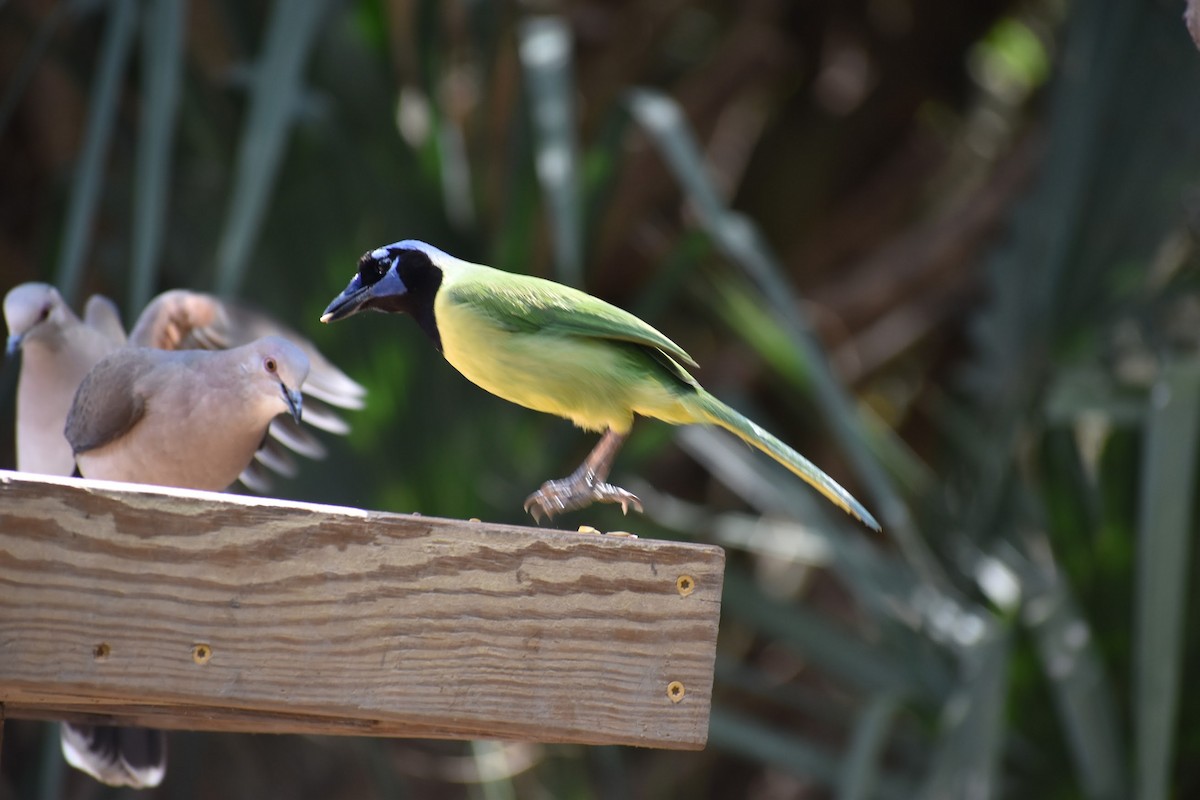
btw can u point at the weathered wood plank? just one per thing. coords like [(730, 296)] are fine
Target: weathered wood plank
[(219, 612)]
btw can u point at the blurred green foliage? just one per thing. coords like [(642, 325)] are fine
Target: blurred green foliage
[(947, 249)]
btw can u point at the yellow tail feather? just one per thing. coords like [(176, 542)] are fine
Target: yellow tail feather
[(714, 412)]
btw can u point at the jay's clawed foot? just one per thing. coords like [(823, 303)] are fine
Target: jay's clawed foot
[(575, 492), (584, 486)]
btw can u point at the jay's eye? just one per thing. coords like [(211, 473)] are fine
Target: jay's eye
[(372, 269)]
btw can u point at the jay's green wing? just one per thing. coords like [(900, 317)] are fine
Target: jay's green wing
[(532, 305)]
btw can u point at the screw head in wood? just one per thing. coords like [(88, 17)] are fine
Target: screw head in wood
[(201, 653)]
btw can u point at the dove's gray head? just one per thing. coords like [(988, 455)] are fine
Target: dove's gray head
[(33, 309), (278, 369)]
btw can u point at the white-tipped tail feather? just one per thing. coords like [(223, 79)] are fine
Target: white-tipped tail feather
[(135, 757)]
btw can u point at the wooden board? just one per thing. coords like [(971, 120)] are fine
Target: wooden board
[(180, 609)]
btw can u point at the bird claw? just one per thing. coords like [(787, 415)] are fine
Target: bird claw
[(556, 497), (626, 500)]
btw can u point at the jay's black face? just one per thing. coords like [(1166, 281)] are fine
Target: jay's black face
[(376, 286), (397, 279)]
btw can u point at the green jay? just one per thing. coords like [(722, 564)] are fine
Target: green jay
[(558, 350)]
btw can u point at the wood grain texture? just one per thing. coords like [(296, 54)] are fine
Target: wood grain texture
[(321, 619)]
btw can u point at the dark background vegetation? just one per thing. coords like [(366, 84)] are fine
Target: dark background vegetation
[(946, 248)]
